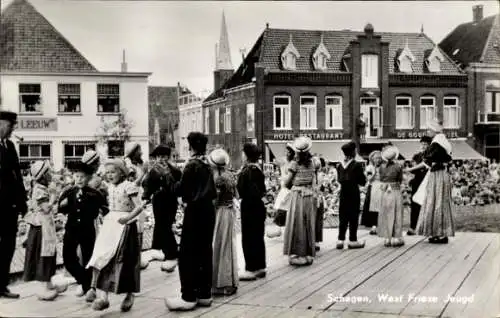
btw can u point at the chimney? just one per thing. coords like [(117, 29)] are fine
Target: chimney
[(124, 63), (477, 13)]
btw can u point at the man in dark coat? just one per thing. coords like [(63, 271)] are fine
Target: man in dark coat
[(197, 190), (12, 199), (159, 187), (351, 177)]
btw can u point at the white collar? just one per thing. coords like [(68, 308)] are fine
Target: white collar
[(346, 164), (441, 140)]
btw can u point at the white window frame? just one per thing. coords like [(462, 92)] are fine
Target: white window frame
[(250, 110), (425, 108), (30, 156), (217, 121), (309, 122), (369, 70), (285, 112), (227, 120), (405, 65), (446, 109), (411, 124), (206, 122), (333, 111), (488, 102), (290, 61), (69, 92), (86, 147), (38, 106), (108, 91)]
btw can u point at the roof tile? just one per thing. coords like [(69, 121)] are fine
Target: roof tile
[(28, 42), (466, 43)]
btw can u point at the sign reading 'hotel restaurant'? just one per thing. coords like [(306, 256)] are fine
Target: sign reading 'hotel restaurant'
[(313, 136), (37, 123)]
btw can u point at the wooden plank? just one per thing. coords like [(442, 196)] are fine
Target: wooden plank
[(379, 282), (250, 311), (480, 284), (284, 286), (349, 277), (448, 277), (398, 279)]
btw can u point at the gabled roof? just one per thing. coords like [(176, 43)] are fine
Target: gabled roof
[(338, 41), (473, 42), (271, 44), (29, 42)]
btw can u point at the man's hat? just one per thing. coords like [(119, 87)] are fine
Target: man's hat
[(160, 151), (9, 116)]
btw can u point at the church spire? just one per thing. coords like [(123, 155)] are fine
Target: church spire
[(223, 58)]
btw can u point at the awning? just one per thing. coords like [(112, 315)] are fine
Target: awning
[(460, 150), (330, 151), (408, 148)]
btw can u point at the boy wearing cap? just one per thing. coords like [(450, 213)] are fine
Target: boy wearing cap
[(351, 177), (159, 187), (82, 204)]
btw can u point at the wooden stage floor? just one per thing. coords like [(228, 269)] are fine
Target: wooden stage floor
[(409, 281)]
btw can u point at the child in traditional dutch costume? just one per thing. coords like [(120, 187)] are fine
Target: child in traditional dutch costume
[(225, 260), (390, 218), (252, 190), (434, 194), (300, 230), (83, 205), (282, 202), (116, 257), (373, 199), (351, 177), (40, 258)]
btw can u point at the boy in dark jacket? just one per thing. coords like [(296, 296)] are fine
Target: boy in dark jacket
[(82, 204)]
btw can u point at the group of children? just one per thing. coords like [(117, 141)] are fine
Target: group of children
[(109, 254)]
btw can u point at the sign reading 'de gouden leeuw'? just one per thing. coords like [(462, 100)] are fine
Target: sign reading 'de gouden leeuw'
[(313, 136), (37, 123), (412, 134)]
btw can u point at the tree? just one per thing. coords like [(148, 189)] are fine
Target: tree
[(118, 129)]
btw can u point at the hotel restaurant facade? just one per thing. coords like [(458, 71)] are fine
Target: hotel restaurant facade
[(317, 83)]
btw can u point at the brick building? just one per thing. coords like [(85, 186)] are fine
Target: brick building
[(164, 115), (317, 83), (475, 47)]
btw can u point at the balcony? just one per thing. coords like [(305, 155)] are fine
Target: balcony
[(485, 118)]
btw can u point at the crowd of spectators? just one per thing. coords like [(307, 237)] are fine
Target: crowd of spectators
[(474, 183)]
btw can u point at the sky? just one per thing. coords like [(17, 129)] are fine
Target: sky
[(175, 40)]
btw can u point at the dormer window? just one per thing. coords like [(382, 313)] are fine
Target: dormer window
[(289, 56), (434, 60), (405, 60), (320, 56)]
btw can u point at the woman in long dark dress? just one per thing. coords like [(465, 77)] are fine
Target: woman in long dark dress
[(436, 217)]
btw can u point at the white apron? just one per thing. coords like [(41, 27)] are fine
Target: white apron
[(108, 240), (419, 196)]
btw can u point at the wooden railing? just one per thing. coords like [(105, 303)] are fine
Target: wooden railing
[(488, 118)]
